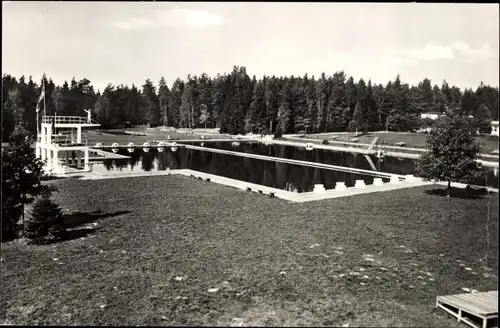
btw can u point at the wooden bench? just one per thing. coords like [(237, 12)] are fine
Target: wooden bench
[(400, 144), (462, 306)]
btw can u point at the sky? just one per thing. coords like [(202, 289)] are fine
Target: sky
[(129, 42)]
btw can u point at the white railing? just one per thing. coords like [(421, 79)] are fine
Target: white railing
[(67, 120)]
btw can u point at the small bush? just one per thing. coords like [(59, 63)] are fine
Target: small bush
[(325, 142), (46, 221)]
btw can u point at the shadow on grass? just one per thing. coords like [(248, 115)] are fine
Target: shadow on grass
[(72, 234), (73, 221), (462, 193), (77, 219)]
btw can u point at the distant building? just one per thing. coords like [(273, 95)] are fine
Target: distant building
[(434, 116), (494, 128), (431, 115)]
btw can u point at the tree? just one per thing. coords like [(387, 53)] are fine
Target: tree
[(204, 114), (46, 220), (286, 107), (452, 152), (380, 99), (164, 100), (278, 134), (176, 101), (21, 181), (16, 107), (357, 118), (57, 100), (239, 103), (150, 110), (186, 106), (482, 119)]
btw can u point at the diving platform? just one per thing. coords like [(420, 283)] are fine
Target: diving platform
[(478, 310), (58, 152), (70, 121)]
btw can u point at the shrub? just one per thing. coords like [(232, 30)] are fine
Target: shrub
[(325, 142), (46, 221)]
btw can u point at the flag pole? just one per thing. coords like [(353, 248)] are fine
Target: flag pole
[(43, 86)]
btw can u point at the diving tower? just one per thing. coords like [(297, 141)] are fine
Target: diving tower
[(59, 142)]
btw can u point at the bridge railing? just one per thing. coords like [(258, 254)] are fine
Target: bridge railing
[(67, 120)]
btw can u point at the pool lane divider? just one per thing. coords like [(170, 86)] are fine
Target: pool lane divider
[(297, 162)]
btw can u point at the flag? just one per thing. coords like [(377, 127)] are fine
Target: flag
[(42, 96)]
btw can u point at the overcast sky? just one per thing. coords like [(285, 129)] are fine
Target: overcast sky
[(125, 43)]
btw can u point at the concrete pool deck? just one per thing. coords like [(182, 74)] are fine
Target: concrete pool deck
[(251, 187)]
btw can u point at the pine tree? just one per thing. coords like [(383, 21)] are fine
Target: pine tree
[(336, 103), (300, 107), (187, 106), (370, 109), (310, 120), (150, 112), (176, 101), (468, 102), (46, 221), (21, 178), (239, 103), (350, 96), (164, 101), (321, 101), (286, 107), (357, 119), (482, 119)]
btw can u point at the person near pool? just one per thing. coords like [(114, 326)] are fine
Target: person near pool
[(89, 119)]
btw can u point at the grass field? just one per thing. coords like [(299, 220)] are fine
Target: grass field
[(176, 251), (412, 139)]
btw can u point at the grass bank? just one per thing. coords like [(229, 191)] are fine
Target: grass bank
[(176, 251), (417, 140)]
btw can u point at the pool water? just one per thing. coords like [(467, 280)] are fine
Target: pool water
[(388, 164), (272, 174), (283, 176)]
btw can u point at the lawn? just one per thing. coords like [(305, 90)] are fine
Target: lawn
[(412, 139), (170, 250)]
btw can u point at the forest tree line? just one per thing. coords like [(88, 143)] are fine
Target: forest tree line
[(238, 103)]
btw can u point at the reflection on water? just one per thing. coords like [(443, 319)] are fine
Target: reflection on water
[(272, 174), (388, 164)]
